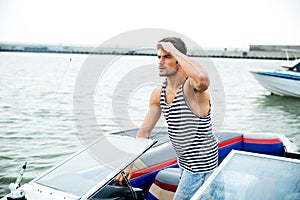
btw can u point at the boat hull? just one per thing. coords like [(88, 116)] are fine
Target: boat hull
[(283, 83)]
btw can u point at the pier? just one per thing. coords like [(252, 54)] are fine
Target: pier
[(274, 52)]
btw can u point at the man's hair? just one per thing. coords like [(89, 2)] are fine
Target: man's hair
[(177, 42)]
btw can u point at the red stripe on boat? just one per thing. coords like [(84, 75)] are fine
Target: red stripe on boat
[(153, 168), (262, 141), (231, 141), (165, 185)]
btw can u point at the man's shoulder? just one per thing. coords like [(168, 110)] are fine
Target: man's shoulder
[(157, 89), (193, 95), (155, 96), (189, 88)]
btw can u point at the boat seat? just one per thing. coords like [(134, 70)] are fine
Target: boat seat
[(266, 143), (164, 184), (158, 155), (227, 142), (148, 165)]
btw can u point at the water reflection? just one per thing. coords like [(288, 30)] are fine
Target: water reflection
[(290, 105)]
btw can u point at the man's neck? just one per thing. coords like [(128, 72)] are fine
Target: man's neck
[(174, 81)]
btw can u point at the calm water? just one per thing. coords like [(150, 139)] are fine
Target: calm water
[(36, 101)]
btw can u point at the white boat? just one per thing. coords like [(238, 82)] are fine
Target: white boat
[(89, 173), (285, 82)]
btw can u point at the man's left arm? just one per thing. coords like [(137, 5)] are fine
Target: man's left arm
[(198, 77)]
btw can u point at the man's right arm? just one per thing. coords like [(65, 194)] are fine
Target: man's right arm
[(152, 115), (148, 124)]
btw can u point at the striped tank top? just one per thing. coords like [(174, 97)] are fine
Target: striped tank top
[(191, 135)]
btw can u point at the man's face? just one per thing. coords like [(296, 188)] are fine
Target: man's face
[(167, 63)]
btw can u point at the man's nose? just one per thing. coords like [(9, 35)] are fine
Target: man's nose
[(161, 61)]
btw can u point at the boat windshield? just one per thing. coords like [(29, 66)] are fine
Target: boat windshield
[(293, 65), (92, 168), (244, 175), (296, 68)]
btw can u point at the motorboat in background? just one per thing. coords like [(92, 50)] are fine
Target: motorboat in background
[(89, 173), (285, 82)]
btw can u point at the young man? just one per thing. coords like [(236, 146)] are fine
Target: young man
[(184, 101)]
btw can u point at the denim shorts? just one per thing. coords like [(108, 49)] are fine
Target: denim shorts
[(189, 183)]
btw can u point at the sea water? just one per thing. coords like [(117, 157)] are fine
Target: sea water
[(38, 124)]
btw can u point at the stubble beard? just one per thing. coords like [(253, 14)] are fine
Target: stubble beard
[(168, 73)]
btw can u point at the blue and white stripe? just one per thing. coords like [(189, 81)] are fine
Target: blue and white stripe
[(190, 134)]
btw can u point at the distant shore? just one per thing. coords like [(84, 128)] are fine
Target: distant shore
[(274, 52)]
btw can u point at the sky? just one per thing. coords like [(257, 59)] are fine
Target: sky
[(210, 23)]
